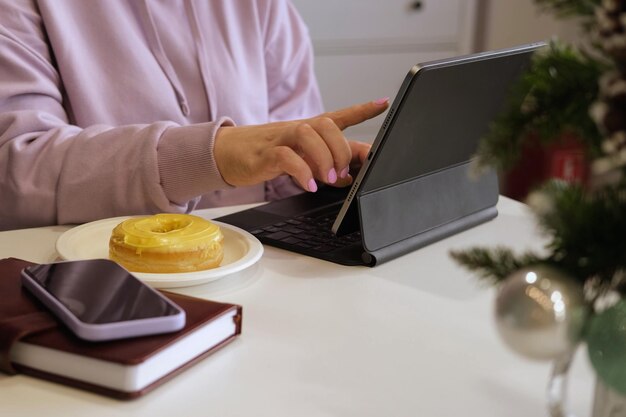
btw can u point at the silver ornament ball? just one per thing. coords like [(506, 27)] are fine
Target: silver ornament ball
[(540, 312)]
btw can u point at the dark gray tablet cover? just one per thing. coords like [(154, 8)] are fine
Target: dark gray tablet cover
[(417, 187)]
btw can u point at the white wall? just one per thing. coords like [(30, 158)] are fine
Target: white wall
[(511, 22)]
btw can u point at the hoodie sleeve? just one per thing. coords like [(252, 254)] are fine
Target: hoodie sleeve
[(53, 172)]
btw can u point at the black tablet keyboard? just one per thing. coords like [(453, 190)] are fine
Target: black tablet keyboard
[(311, 234)]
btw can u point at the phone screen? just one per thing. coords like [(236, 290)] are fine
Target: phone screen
[(100, 291)]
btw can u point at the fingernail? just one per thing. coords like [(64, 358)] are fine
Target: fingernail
[(344, 172), (332, 176), (312, 186), (381, 101)]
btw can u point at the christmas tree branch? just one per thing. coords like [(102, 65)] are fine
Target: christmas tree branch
[(587, 229), (494, 264), (569, 8)]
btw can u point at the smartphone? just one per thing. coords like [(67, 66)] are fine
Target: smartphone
[(99, 300)]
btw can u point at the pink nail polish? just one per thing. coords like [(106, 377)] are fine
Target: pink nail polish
[(312, 186), (332, 176), (381, 101), (344, 172)]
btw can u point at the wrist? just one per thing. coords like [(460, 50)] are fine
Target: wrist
[(186, 160)]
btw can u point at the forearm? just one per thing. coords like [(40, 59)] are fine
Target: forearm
[(55, 173)]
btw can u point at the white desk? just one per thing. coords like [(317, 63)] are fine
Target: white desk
[(413, 337)]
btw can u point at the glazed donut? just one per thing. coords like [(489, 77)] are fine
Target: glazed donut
[(166, 243)]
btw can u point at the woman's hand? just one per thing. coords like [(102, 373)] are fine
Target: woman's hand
[(306, 149)]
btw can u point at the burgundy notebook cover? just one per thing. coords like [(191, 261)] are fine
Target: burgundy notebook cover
[(23, 318)]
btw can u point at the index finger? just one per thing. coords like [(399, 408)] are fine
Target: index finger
[(358, 113)]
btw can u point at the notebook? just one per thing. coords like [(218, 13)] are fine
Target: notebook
[(33, 343), (415, 187)]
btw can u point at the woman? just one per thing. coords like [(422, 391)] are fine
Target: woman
[(121, 107)]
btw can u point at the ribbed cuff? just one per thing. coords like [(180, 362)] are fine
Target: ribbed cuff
[(186, 161)]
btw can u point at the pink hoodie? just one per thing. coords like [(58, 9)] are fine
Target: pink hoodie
[(110, 108)]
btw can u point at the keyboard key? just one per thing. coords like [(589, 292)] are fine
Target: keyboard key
[(291, 240), (292, 229), (317, 240), (278, 235), (304, 245), (324, 248), (335, 244)]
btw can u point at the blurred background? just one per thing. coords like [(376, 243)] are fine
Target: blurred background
[(364, 48)]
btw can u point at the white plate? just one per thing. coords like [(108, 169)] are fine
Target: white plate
[(91, 240)]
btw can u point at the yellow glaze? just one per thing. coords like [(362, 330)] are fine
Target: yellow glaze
[(171, 232)]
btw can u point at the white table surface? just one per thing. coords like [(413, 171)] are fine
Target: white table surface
[(412, 337)]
